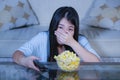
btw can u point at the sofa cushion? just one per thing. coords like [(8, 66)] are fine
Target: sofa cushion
[(104, 14), (15, 13), (12, 39), (105, 42)]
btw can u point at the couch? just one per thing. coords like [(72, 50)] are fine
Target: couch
[(23, 19)]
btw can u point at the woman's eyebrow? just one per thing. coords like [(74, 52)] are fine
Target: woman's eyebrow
[(69, 26), (61, 24)]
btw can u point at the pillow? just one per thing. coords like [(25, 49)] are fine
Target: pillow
[(47, 7), (15, 13), (104, 14)]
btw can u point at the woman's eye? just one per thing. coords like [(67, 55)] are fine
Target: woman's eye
[(60, 27), (70, 29)]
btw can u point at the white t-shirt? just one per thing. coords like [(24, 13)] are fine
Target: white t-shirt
[(39, 46)]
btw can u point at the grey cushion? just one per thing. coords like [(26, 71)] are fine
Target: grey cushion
[(12, 39), (105, 42)]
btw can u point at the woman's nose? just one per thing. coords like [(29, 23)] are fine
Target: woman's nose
[(65, 30)]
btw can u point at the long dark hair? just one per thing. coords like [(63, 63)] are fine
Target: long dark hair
[(71, 15)]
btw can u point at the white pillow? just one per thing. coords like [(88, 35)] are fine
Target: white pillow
[(15, 13), (104, 14), (44, 9)]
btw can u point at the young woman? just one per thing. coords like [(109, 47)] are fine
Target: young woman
[(63, 35)]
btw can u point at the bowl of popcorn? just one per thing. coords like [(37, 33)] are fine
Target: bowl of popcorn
[(67, 61)]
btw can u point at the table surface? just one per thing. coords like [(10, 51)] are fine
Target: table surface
[(86, 71)]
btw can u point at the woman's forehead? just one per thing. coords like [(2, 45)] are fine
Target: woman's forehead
[(64, 21)]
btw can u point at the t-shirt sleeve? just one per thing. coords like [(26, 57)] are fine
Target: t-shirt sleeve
[(29, 46), (84, 42)]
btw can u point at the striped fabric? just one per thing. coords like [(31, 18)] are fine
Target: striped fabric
[(38, 46)]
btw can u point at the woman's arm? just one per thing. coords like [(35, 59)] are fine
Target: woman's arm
[(20, 59), (83, 53), (67, 39)]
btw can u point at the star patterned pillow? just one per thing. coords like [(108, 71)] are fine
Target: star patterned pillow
[(15, 14), (104, 14)]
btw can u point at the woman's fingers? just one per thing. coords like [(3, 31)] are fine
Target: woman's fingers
[(60, 37), (34, 57), (30, 63), (60, 34), (35, 68), (64, 37), (32, 66)]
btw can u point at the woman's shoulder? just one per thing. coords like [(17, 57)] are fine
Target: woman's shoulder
[(41, 35), (82, 39)]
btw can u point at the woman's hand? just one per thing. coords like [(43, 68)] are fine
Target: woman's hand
[(28, 62), (19, 58), (64, 37)]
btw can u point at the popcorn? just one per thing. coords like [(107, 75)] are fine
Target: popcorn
[(67, 61)]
